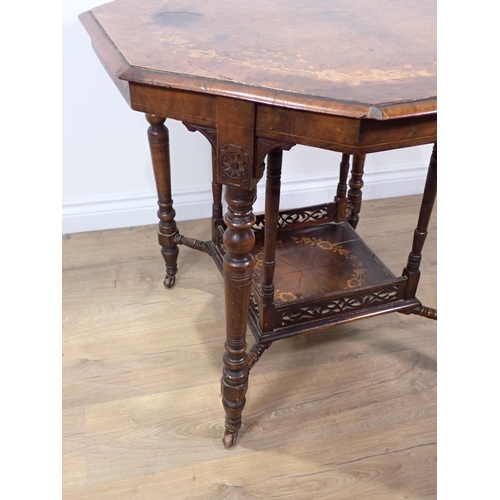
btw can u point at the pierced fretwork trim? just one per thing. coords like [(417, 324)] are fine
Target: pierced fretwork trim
[(296, 217), (338, 306)]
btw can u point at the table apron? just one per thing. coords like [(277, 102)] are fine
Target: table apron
[(336, 133)]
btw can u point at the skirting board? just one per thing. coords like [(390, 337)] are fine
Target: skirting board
[(137, 209)]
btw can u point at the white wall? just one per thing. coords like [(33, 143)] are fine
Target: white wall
[(107, 176)]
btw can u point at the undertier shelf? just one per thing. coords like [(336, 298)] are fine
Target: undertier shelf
[(324, 275)]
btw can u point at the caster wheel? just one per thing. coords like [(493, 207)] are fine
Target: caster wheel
[(229, 440), (169, 282)]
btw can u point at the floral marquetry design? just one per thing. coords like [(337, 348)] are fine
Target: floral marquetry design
[(323, 244), (358, 277), (284, 296)]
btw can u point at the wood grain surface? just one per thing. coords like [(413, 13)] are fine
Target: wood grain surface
[(346, 413), (278, 52)]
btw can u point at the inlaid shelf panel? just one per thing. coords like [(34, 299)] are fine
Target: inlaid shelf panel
[(325, 274)]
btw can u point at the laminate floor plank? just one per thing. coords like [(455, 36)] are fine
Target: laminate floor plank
[(347, 412), (369, 464), (74, 447), (98, 371)]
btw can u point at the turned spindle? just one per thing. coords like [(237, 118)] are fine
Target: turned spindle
[(167, 227), (273, 187), (341, 196), (412, 269), (354, 195)]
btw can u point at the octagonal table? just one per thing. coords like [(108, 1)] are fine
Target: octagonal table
[(352, 76)]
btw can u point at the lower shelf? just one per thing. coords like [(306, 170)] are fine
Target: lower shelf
[(324, 275)]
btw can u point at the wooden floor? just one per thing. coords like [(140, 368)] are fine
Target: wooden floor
[(355, 411)]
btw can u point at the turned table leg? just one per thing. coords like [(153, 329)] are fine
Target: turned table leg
[(273, 188), (412, 269), (216, 209), (239, 241), (341, 196), (167, 228), (355, 194)]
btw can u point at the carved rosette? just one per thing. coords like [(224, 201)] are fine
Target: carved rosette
[(234, 166)]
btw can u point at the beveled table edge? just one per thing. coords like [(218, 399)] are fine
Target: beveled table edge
[(120, 69)]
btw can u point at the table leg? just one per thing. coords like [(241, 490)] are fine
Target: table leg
[(239, 241), (341, 196), (412, 269), (273, 188), (167, 228), (217, 215), (355, 183)]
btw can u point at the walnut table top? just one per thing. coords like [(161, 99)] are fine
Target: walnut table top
[(356, 58)]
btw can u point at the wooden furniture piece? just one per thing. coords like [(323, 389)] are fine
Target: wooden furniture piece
[(255, 79)]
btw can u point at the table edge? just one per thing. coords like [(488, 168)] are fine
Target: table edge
[(122, 70)]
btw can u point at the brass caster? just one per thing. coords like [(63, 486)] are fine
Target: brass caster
[(229, 439), (169, 282)]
